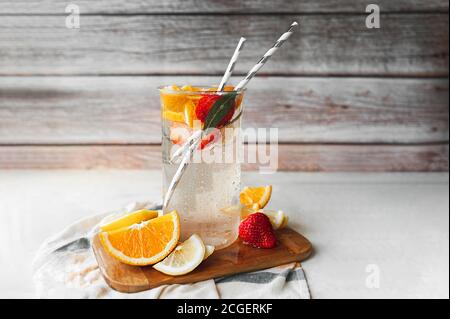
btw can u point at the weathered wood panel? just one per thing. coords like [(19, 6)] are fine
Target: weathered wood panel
[(410, 45), (107, 110), (215, 6), (328, 158)]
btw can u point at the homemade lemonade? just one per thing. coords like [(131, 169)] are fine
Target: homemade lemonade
[(210, 184)]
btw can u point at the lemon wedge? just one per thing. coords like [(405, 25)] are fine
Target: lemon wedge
[(208, 251), (184, 258), (277, 218)]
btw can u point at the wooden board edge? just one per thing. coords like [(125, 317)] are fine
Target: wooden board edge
[(115, 285)]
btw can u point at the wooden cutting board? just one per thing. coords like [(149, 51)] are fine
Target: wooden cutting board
[(234, 259)]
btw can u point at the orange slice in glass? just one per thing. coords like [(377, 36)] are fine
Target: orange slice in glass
[(173, 101)]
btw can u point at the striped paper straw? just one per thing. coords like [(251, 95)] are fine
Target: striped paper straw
[(188, 148), (231, 65), (182, 150), (266, 57), (195, 142), (180, 171), (223, 82)]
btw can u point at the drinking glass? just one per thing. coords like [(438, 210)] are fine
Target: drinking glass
[(207, 195)]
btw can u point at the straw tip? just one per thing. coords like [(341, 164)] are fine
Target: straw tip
[(294, 24)]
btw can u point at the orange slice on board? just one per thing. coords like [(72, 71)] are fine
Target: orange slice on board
[(129, 219), (255, 197), (145, 243)]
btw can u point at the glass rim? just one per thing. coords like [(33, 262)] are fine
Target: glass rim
[(168, 90)]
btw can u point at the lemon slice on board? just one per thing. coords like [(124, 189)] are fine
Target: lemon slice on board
[(285, 221), (184, 258), (208, 251), (277, 218)]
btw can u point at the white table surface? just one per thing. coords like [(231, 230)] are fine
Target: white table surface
[(398, 224)]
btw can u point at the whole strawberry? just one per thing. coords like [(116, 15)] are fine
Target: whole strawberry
[(256, 230)]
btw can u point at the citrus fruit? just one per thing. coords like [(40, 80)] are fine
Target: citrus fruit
[(285, 222), (208, 251), (145, 243), (276, 217), (173, 101), (173, 116), (189, 113), (130, 219), (190, 88), (184, 258), (255, 197)]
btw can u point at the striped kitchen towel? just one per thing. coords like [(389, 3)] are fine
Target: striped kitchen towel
[(65, 267)]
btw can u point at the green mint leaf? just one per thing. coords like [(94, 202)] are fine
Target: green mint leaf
[(219, 110)]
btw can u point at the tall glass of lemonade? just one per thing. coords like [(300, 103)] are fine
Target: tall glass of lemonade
[(209, 187)]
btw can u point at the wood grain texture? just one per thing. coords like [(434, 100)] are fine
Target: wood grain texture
[(308, 158), (215, 6), (235, 259), (123, 110), (410, 45)]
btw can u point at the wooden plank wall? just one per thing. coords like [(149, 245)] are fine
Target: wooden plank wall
[(344, 97)]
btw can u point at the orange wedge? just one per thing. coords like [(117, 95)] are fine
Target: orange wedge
[(189, 113), (256, 197), (129, 219), (145, 243), (190, 88), (173, 116), (172, 101)]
